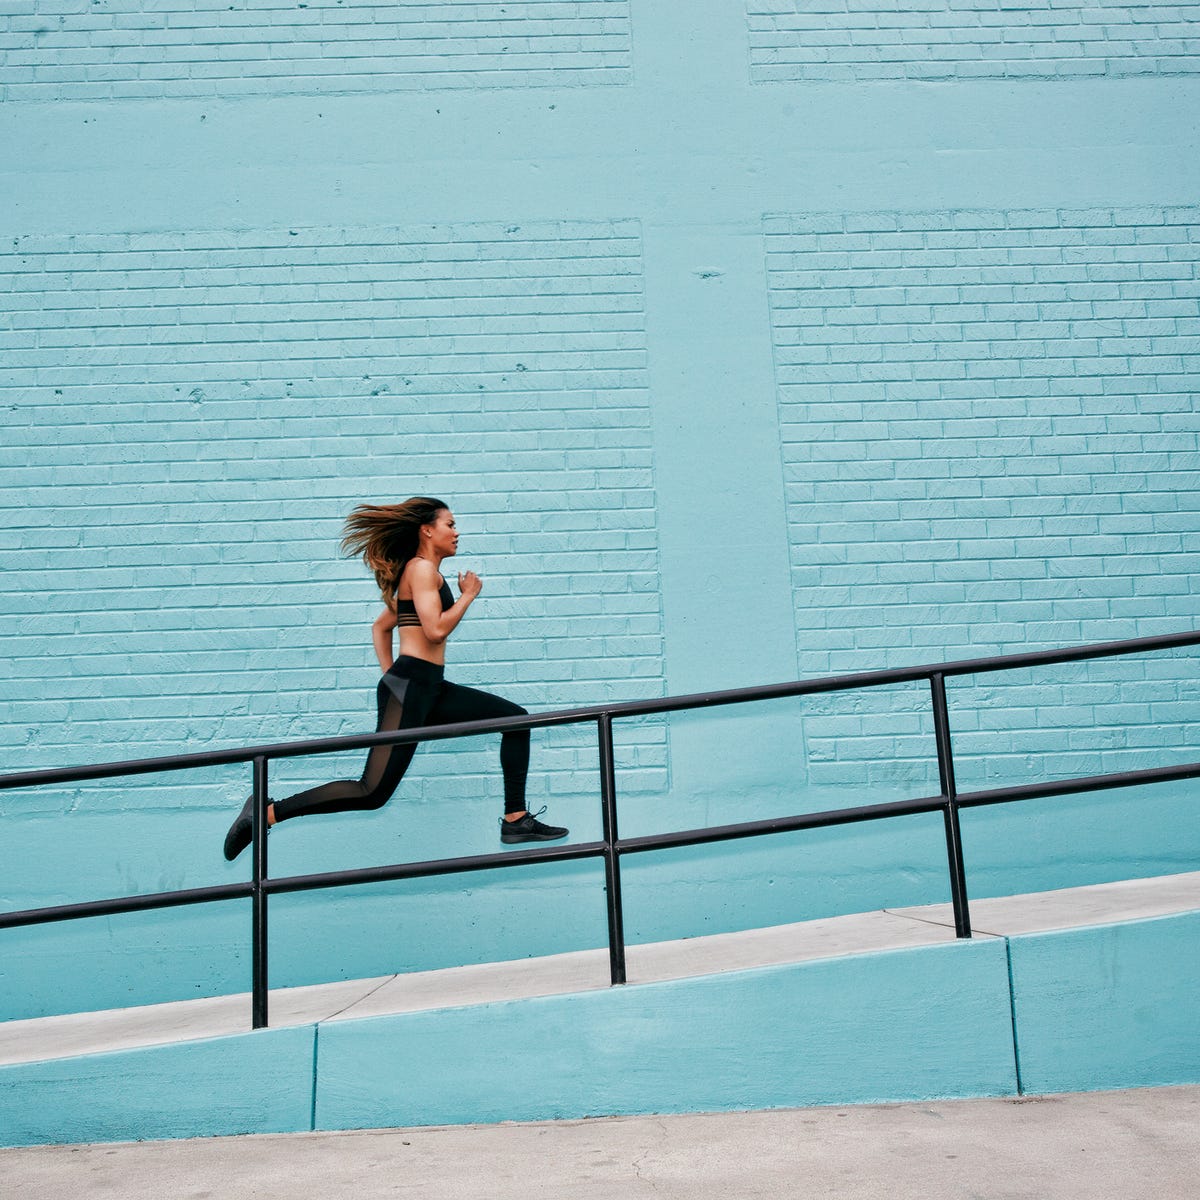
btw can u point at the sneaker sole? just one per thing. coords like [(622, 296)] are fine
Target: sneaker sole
[(531, 837)]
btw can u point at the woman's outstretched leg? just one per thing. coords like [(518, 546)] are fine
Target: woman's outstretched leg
[(414, 693), (400, 705), (385, 767)]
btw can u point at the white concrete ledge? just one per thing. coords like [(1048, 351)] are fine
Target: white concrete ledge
[(1096, 904)]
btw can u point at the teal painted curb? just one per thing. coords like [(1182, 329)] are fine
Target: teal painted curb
[(1110, 1006), (252, 1083), (902, 1025), (1104, 1007)]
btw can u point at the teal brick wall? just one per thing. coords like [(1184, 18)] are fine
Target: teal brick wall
[(123, 49), (989, 437), (739, 359), (857, 40), (195, 415)]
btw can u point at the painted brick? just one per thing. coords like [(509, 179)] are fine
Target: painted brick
[(861, 40), (178, 512), (1081, 521), (118, 51)]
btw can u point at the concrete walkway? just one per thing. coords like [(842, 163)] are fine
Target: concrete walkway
[(1091, 1146)]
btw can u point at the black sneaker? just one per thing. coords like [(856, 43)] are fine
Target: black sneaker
[(241, 831), (530, 829)]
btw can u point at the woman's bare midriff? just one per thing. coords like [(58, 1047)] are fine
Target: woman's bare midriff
[(415, 644)]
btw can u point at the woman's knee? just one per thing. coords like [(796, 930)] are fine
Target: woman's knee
[(370, 798), (372, 801)]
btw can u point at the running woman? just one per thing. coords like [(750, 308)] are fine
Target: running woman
[(405, 545)]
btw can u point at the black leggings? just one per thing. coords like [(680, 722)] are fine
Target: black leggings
[(415, 692)]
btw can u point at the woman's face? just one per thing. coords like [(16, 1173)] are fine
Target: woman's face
[(443, 534)]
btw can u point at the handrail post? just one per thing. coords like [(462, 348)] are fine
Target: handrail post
[(258, 897), (950, 815), (612, 863)]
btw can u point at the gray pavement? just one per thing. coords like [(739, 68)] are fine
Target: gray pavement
[(1091, 1146)]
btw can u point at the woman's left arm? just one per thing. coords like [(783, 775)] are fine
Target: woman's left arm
[(381, 638)]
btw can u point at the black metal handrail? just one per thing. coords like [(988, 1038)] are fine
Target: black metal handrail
[(949, 802)]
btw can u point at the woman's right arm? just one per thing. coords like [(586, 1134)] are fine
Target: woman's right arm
[(381, 638)]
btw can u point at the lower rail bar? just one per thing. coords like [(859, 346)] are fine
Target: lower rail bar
[(579, 850), (123, 904)]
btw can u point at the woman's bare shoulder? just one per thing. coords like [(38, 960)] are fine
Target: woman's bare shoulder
[(421, 573)]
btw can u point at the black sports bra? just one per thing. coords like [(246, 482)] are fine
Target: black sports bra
[(406, 610)]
